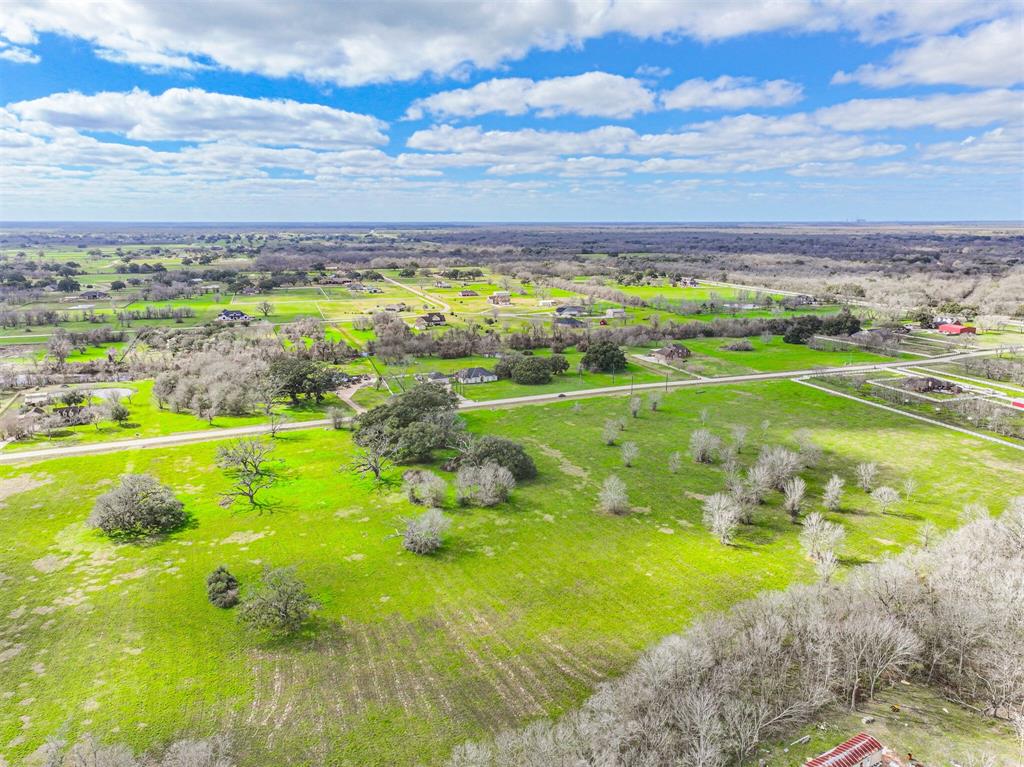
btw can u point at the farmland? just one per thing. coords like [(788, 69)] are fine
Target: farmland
[(524, 610), (528, 605)]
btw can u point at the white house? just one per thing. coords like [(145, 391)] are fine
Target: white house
[(615, 313), (475, 376)]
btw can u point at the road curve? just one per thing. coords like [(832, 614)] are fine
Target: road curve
[(207, 435)]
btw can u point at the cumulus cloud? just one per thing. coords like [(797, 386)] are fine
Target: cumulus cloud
[(942, 110), (358, 43), (732, 93), (592, 94), (988, 55), (192, 114)]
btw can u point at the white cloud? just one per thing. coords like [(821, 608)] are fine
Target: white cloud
[(1000, 146), (650, 70), (358, 43), (592, 94), (731, 93), (192, 114), (17, 54), (989, 55), (942, 110)]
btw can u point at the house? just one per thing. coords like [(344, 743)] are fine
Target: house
[(957, 329), (570, 311), (671, 353), (859, 751), (441, 284), (232, 315), (357, 287), (546, 302), (468, 293), (431, 320), (500, 298), (569, 322), (615, 313), (94, 294), (475, 376), (373, 289), (401, 307), (945, 319)]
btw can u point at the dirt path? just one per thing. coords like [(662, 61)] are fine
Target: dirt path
[(429, 299)]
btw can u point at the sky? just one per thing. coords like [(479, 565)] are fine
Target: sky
[(546, 110)]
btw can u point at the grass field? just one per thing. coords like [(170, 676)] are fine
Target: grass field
[(527, 607)]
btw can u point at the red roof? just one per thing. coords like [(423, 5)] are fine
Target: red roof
[(848, 754), (956, 329)]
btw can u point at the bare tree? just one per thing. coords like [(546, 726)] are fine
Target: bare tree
[(675, 462), (374, 457), (739, 434), (275, 422), (247, 463), (867, 473), (833, 496), (704, 446), (635, 406), (820, 539), (613, 497), (630, 451), (654, 400), (885, 497), (486, 485), (265, 308), (612, 429), (794, 491), (722, 517), (337, 416), (909, 487), (425, 487)]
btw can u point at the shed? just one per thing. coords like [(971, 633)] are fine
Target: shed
[(861, 750), (615, 313)]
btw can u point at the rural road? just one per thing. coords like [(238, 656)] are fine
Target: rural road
[(188, 437)]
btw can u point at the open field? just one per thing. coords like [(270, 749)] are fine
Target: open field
[(527, 607)]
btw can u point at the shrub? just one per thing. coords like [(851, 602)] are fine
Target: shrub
[(675, 462), (867, 473), (885, 497), (424, 534), (740, 345), (279, 604), (503, 452), (425, 487), (531, 371), (833, 496), (222, 588), (486, 485), (610, 432), (613, 498), (139, 506), (630, 451), (794, 489)]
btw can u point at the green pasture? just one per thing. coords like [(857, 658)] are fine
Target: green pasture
[(526, 609)]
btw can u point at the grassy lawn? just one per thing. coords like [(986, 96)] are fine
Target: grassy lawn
[(711, 359), (527, 607)]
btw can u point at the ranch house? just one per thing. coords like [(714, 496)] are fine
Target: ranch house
[(500, 298), (671, 353), (475, 376), (431, 320)]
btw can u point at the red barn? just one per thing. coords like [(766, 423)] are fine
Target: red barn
[(859, 751), (1018, 403), (957, 330)]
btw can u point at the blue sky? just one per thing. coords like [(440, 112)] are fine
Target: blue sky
[(554, 110)]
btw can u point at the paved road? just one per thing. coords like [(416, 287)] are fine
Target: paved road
[(183, 438)]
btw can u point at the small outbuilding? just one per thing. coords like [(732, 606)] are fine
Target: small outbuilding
[(468, 293), (615, 313), (500, 298), (957, 329)]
